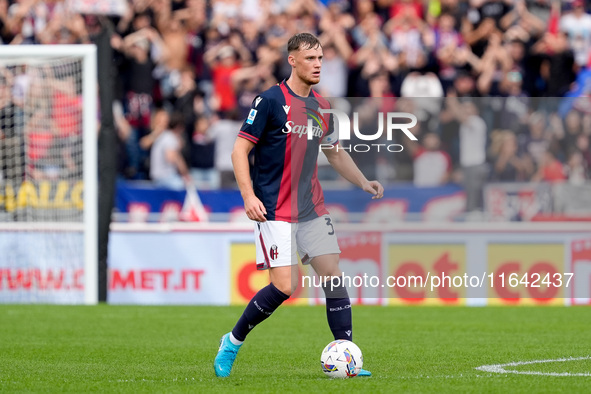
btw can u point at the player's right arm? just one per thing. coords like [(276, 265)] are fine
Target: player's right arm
[(255, 210)]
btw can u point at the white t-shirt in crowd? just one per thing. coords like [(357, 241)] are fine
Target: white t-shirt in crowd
[(429, 168), (160, 168), (224, 132), (472, 142), (579, 33)]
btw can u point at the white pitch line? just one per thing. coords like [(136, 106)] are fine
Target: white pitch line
[(500, 368)]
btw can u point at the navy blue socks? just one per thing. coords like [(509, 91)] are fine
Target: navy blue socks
[(260, 307), (338, 310), (269, 298)]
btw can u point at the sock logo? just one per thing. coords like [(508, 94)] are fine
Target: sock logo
[(339, 308), (250, 327), (261, 309), (348, 332), (273, 253)]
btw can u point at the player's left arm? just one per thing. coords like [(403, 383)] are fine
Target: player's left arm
[(340, 160)]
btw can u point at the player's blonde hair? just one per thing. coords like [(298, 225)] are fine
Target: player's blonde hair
[(302, 41)]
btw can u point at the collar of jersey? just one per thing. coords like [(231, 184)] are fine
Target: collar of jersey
[(293, 93)]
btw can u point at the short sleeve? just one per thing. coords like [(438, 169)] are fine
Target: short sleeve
[(332, 136), (253, 127)]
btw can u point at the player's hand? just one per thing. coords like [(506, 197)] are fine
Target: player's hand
[(375, 188), (255, 210)]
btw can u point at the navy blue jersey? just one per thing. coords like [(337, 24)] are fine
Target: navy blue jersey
[(285, 170)]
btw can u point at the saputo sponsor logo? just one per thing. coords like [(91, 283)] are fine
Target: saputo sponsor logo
[(315, 127), (300, 130)]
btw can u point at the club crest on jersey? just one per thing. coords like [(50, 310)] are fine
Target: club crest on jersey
[(251, 116), (273, 253)]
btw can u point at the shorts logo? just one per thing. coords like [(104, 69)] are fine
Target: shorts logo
[(273, 253), (251, 116)]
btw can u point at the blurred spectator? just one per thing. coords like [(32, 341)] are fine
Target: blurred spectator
[(20, 89), (540, 8), (372, 55), (575, 169), (421, 85), (123, 129), (202, 162), (557, 68), (516, 104), (583, 146), (507, 165), (28, 20), (577, 24), (431, 165), (537, 141), (142, 50), (412, 9), (7, 106), (174, 35), (64, 29), (473, 141), (248, 82), (225, 132), (334, 73), (523, 23), (41, 146), (158, 124), (410, 36), (368, 32), (483, 19), (448, 43), (224, 59), (550, 169), (494, 63), (167, 165), (5, 33), (183, 98), (573, 124), (10, 125), (464, 86)]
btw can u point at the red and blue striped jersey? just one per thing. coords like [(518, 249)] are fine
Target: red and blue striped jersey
[(285, 173)]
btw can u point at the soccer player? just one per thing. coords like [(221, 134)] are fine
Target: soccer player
[(284, 196)]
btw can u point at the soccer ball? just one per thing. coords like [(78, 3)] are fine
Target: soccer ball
[(341, 359)]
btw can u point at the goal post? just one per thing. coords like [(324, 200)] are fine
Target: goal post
[(48, 174)]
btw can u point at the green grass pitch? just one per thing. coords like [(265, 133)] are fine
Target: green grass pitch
[(171, 349)]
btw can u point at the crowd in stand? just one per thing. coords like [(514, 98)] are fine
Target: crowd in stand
[(188, 70)]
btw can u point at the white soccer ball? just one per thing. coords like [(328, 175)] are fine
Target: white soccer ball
[(341, 359)]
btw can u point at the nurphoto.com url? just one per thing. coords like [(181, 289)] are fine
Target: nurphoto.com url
[(441, 279)]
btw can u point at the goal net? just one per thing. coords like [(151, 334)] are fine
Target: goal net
[(48, 174)]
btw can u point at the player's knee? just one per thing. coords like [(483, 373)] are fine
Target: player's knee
[(286, 287)]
